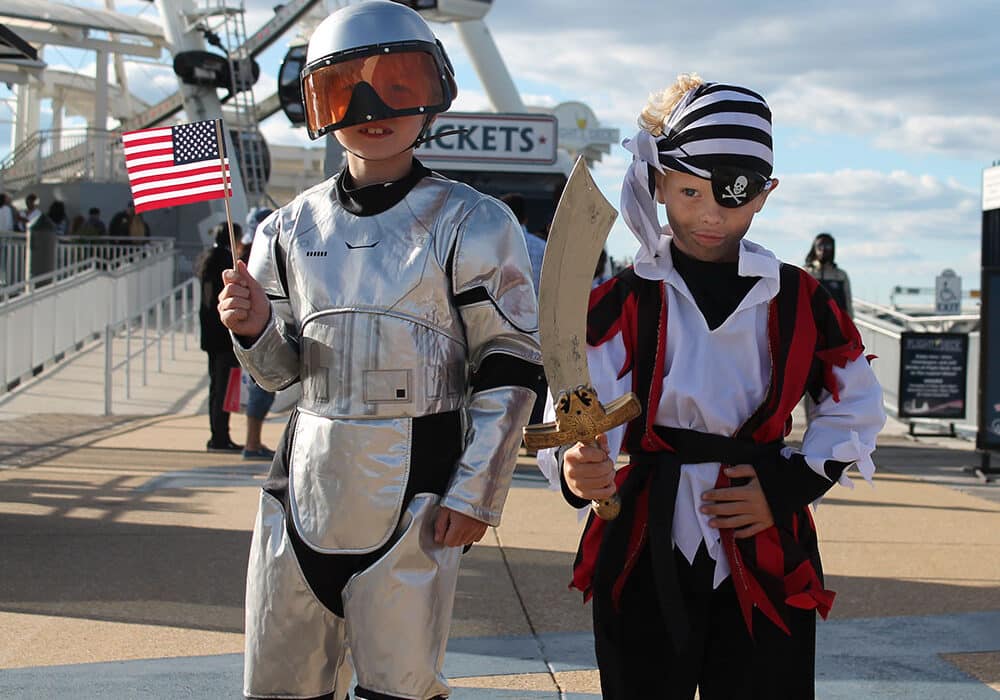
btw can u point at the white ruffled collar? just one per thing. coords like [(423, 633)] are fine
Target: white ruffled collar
[(754, 260)]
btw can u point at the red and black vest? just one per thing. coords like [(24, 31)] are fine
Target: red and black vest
[(774, 570)]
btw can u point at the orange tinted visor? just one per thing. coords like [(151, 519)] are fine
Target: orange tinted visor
[(405, 81)]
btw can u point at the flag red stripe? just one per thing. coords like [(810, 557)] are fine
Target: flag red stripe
[(153, 132), (217, 182), (148, 141), (130, 161), (177, 201), (167, 169), (140, 180)]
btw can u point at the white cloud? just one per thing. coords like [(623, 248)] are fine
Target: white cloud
[(911, 75), (891, 228), (909, 84)]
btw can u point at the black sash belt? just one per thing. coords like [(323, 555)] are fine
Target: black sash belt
[(660, 473)]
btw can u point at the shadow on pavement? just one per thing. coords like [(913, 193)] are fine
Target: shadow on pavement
[(124, 572)]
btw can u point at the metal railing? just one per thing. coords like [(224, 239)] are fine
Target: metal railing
[(73, 256), (894, 318), (13, 251), (152, 324), (46, 317), (62, 155)]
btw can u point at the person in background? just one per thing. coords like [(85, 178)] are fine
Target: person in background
[(76, 224), (93, 226), (57, 212), (601, 269), (128, 224), (31, 211), (536, 253), (215, 338), (8, 217), (535, 244), (820, 264), (258, 400)]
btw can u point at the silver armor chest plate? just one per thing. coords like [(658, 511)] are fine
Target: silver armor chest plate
[(381, 343), (380, 336)]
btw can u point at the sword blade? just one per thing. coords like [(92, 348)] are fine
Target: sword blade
[(578, 232)]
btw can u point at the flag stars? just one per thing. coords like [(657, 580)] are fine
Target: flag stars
[(195, 142)]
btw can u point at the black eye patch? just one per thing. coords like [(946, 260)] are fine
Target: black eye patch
[(734, 187)]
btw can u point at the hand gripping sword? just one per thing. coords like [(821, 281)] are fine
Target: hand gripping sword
[(579, 230)]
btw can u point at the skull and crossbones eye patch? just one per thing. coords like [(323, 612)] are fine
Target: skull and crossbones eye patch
[(734, 187)]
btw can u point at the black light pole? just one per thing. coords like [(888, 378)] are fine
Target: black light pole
[(988, 433)]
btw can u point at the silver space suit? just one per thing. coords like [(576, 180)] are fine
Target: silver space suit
[(387, 320)]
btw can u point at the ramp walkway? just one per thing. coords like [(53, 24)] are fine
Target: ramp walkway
[(124, 548)]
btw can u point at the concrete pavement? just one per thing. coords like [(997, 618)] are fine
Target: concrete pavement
[(125, 544)]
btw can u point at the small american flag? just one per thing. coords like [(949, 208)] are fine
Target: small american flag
[(173, 165)]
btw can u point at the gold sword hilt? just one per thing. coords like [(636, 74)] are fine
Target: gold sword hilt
[(580, 417)]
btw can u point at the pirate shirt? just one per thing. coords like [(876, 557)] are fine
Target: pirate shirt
[(716, 377)]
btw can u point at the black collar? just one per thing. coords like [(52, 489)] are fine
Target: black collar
[(717, 287), (375, 199)]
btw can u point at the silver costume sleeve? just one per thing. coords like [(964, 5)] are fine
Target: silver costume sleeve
[(491, 279), (273, 358), (482, 479)]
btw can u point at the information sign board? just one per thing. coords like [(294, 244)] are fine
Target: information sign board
[(932, 375)]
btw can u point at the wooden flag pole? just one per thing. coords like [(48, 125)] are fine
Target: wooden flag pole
[(225, 188)]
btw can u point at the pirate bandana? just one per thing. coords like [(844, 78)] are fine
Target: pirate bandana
[(717, 132)]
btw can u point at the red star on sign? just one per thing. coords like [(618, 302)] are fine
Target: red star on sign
[(541, 139)]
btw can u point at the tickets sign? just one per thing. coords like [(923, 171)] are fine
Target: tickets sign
[(529, 139)]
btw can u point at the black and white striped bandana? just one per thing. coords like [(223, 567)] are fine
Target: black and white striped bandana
[(717, 132)]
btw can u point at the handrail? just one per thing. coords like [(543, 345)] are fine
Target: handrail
[(78, 153), (189, 291), (74, 255), (893, 320), (908, 318)]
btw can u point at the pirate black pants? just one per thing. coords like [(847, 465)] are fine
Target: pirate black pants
[(637, 658)]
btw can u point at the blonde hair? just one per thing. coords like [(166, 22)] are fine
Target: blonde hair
[(660, 104)]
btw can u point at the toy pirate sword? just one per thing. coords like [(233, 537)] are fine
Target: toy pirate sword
[(579, 230)]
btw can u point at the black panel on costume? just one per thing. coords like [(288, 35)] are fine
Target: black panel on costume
[(436, 447), (790, 484), (500, 369)]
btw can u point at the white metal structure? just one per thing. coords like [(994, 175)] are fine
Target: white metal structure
[(165, 317), (67, 307)]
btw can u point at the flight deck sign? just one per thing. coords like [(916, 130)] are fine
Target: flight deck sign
[(525, 139), (932, 375)]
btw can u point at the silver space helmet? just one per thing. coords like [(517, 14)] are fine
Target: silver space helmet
[(370, 61)]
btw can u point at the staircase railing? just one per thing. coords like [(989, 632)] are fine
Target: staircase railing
[(66, 308), (63, 155), (73, 256)]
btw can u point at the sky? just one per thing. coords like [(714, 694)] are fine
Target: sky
[(884, 118)]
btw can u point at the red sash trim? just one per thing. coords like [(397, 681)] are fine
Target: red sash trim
[(794, 337), (590, 543), (636, 540), (806, 591), (650, 440)]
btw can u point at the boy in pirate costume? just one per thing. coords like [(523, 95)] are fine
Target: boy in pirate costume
[(710, 577), (403, 303)]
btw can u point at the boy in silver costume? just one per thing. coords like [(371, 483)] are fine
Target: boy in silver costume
[(403, 303)]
